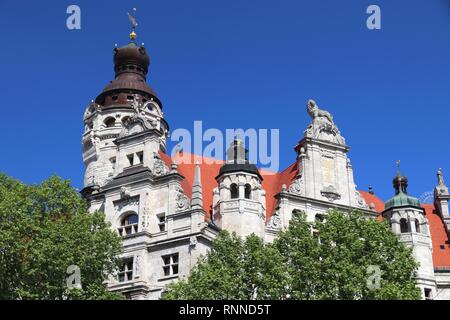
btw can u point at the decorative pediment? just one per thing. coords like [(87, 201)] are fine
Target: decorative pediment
[(134, 125)]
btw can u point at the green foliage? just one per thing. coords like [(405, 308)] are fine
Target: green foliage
[(233, 269), (43, 230), (331, 263)]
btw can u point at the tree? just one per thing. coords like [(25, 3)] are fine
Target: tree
[(341, 259), (46, 228), (233, 269), (335, 259)]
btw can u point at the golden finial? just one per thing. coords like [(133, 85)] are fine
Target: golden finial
[(134, 24)]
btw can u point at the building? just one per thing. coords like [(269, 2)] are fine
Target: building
[(168, 211)]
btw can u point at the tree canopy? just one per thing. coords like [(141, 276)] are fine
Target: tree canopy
[(348, 256), (46, 228)]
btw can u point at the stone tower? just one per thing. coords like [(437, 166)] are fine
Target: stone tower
[(409, 222), (130, 178), (239, 201)]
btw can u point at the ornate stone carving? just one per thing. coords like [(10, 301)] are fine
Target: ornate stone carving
[(330, 193), (138, 266), (159, 167), (193, 242), (296, 187), (322, 126), (146, 212), (126, 202), (135, 124), (275, 221), (182, 201), (360, 200), (124, 193)]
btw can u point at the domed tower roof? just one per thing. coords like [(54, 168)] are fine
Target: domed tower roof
[(237, 161), (131, 63), (401, 198)]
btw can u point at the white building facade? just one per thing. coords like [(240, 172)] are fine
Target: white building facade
[(168, 212)]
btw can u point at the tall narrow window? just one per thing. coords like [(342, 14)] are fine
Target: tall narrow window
[(248, 191), (404, 228), (126, 270), (234, 191), (162, 222), (129, 225), (416, 222), (427, 292), (170, 264), (130, 158), (140, 156)]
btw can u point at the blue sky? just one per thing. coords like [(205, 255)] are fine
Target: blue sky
[(236, 64)]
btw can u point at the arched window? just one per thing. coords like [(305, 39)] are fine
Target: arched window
[(125, 119), (109, 122), (248, 191), (296, 212), (404, 228), (417, 226), (129, 224), (319, 218), (234, 191)]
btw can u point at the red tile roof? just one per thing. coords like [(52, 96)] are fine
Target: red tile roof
[(441, 256), (273, 182)]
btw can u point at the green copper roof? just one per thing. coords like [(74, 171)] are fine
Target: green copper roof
[(400, 200)]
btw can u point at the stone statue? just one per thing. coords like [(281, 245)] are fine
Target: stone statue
[(322, 126), (315, 112), (440, 178)]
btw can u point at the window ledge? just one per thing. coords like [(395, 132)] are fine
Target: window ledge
[(169, 277)]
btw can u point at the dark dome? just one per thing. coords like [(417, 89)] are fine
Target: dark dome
[(131, 55), (240, 167), (131, 63)]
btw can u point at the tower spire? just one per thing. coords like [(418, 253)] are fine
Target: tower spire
[(134, 24), (197, 193)]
